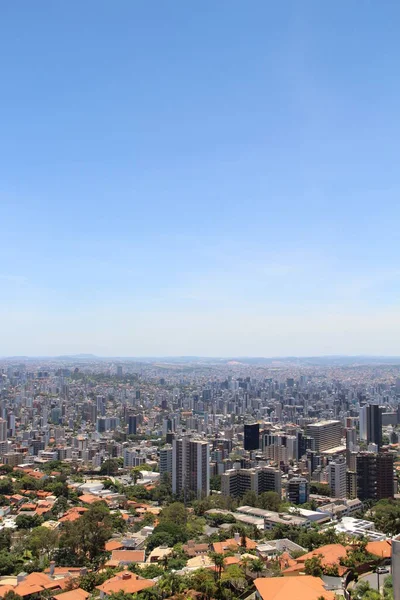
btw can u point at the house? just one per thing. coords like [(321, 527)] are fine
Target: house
[(382, 549), (194, 549), (73, 514), (89, 499), (233, 544), (329, 554), (125, 557), (158, 554), (113, 545), (35, 583), (302, 587), (126, 582), (76, 594)]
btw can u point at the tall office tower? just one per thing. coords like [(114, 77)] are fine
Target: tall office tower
[(375, 479), (190, 467), (304, 443), (236, 482), (3, 430), (298, 490), (327, 434), (363, 423), (337, 478), (132, 425), (252, 436), (351, 485), (351, 443), (374, 425), (119, 371), (166, 460)]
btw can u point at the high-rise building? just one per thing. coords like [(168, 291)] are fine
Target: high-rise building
[(327, 434), (375, 479), (190, 467), (166, 460), (351, 446), (132, 425), (3, 430), (252, 436), (298, 490), (351, 485), (363, 423), (236, 482), (374, 425), (337, 478)]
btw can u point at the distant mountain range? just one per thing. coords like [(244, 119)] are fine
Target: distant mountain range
[(334, 360)]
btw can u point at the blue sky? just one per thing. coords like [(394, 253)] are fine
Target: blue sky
[(214, 178)]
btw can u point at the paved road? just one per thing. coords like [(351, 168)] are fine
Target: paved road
[(372, 579)]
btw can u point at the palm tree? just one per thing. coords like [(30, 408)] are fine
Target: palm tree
[(245, 562), (257, 566), (218, 560)]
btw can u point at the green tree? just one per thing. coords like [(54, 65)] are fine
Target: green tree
[(257, 566), (159, 539), (109, 467), (28, 521), (322, 489), (85, 538), (175, 513), (6, 486), (5, 539), (203, 582), (11, 595), (250, 498), (218, 560), (42, 540), (313, 566), (269, 501)]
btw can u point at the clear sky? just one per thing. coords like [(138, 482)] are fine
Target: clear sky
[(213, 178)]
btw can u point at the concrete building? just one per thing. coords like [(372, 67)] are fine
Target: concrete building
[(190, 467), (298, 490), (375, 478), (337, 478), (327, 434), (166, 460), (236, 482)]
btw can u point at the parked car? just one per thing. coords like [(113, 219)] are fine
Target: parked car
[(381, 570)]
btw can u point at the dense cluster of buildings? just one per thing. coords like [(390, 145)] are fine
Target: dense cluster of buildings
[(252, 428)]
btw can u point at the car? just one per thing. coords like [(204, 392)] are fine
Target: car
[(381, 570)]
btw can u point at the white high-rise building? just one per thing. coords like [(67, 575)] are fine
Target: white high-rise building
[(190, 467), (337, 478), (363, 423)]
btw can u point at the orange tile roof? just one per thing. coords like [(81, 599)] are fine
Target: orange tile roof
[(330, 555), (232, 544), (73, 513), (231, 560), (302, 587), (125, 581), (382, 549), (128, 555), (113, 545), (24, 589), (77, 594), (89, 498)]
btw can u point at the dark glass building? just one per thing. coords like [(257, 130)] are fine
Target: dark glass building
[(252, 436)]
